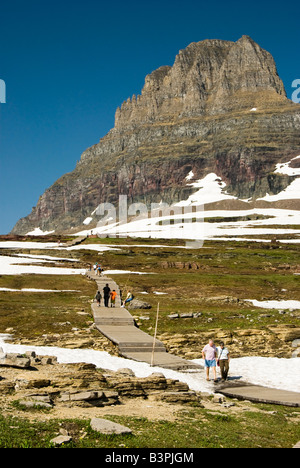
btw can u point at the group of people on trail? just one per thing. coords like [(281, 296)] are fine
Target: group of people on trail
[(213, 356), (97, 269), (107, 294), (111, 295), (216, 356)]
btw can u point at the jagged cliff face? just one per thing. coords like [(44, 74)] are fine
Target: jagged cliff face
[(208, 78), (195, 116)]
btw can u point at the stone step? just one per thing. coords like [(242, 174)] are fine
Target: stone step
[(135, 349), (116, 322), (141, 346)]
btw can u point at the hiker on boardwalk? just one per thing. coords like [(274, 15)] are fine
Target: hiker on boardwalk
[(128, 299), (209, 354), (223, 360), (113, 296), (99, 269), (98, 298), (106, 292)]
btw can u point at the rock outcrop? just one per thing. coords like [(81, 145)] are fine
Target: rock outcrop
[(220, 108), (46, 383)]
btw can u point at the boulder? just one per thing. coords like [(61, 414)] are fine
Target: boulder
[(61, 440), (137, 304), (173, 316), (108, 427), (46, 360), (27, 382), (35, 404), (218, 398), (44, 398), (126, 371), (14, 360), (155, 382), (81, 396), (6, 387)]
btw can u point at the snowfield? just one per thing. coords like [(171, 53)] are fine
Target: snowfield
[(19, 266), (290, 305), (208, 190), (160, 227), (38, 290), (270, 372)]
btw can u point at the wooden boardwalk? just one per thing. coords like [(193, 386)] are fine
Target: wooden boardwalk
[(75, 241), (118, 325), (259, 394)]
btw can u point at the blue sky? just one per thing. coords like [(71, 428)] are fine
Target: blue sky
[(69, 64)]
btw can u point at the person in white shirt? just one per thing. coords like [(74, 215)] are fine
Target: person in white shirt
[(223, 360)]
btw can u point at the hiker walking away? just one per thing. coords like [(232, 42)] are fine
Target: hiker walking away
[(209, 354), (99, 269), (223, 360), (113, 296), (95, 268), (106, 291), (98, 298), (128, 299)]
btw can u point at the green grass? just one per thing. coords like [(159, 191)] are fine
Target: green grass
[(34, 314), (241, 271), (238, 269), (194, 428)]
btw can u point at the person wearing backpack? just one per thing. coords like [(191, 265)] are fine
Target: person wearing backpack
[(98, 298), (223, 360)]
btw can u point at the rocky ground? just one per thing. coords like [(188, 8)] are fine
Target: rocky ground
[(29, 382), (274, 341), (40, 388)]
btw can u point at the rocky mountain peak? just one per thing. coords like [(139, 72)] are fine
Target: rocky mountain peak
[(220, 109), (208, 77)]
